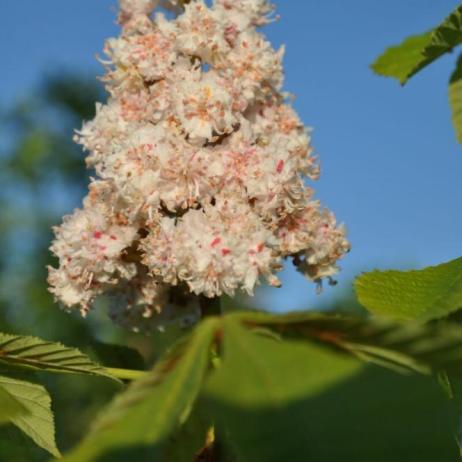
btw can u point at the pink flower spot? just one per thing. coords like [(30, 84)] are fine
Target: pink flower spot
[(97, 234), (113, 237), (280, 166), (215, 242), (225, 251), (260, 247)]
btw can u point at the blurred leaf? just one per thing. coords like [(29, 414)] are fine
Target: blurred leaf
[(276, 386), (31, 153), (120, 356), (190, 438), (430, 293), (34, 353), (77, 95), (16, 446), (163, 340), (152, 408), (298, 401), (455, 99), (10, 407), (38, 422), (417, 347), (416, 52)]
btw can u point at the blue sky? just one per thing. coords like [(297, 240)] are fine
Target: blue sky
[(390, 165)]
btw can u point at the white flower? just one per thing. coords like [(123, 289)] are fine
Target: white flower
[(246, 13), (204, 108), (200, 32), (216, 250), (253, 65), (201, 166), (134, 7), (90, 245), (150, 56)]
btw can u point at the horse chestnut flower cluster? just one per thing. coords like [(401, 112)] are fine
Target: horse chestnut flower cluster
[(201, 165)]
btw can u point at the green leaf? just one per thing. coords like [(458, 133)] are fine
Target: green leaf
[(429, 293), (258, 354), (299, 401), (455, 99), (190, 439), (415, 347), (37, 354), (416, 52), (400, 61), (38, 421), (10, 407), (153, 407)]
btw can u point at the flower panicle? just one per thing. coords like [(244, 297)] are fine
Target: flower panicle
[(201, 165)]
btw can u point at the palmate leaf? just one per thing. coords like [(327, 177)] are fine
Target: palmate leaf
[(256, 352), (37, 421), (284, 388), (151, 409), (430, 293), (299, 400), (422, 348), (416, 52), (38, 354)]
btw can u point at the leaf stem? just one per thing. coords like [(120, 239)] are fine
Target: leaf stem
[(126, 374)]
